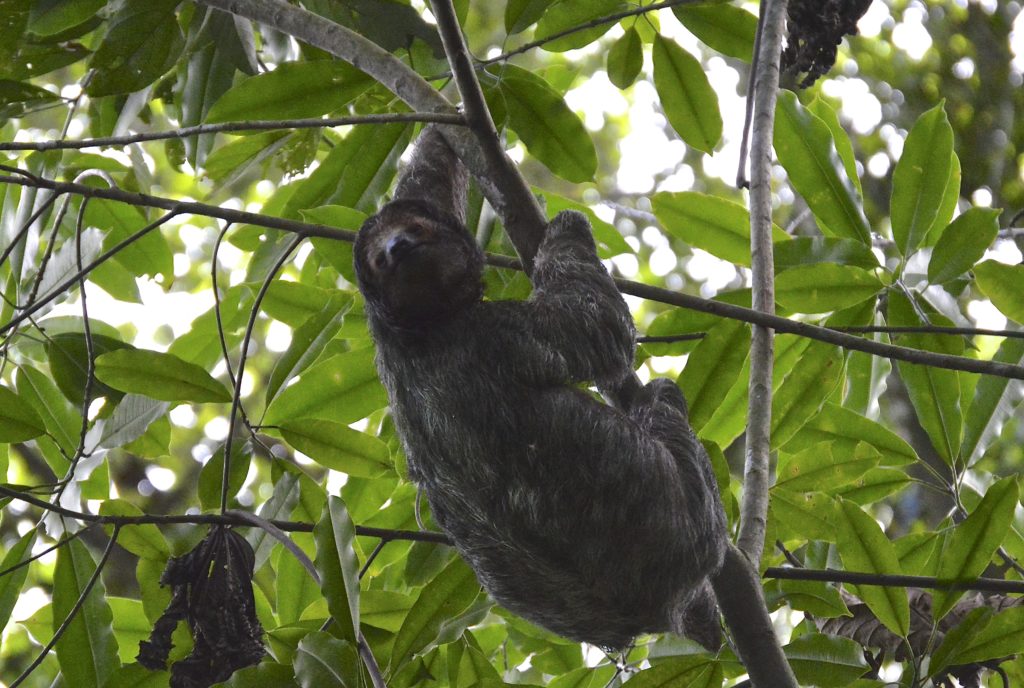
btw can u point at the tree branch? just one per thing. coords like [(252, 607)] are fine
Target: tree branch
[(227, 127), (995, 585)]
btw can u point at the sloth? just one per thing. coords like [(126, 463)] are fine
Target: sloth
[(595, 522)]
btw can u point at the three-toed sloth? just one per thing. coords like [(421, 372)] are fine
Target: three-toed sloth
[(595, 522)]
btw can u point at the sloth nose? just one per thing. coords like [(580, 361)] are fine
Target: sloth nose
[(398, 246)]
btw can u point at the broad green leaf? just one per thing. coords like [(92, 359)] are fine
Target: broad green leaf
[(159, 376), (356, 172), (338, 447), (211, 477), (865, 548), (962, 244), (145, 540), (808, 515), (1002, 283), (873, 486), (308, 342), (807, 150), (713, 368), (278, 507), (445, 597), (950, 202), (384, 609), (716, 225), (18, 420), (826, 661), (1002, 636), (691, 671), (130, 626), (137, 676), (567, 14), (728, 29), (625, 59), (293, 303), (201, 344), (550, 130), (143, 42), (293, 90), (131, 419), (149, 255), (339, 569), (87, 652), (920, 179), (343, 389), (960, 638), (12, 580), (263, 675), (969, 548), (337, 253), (690, 103), (993, 404), (835, 423), (825, 287), (237, 156), (814, 250), (823, 111), (323, 661), (67, 353), (49, 17), (520, 14), (934, 392), (804, 390), (813, 597), (18, 97), (818, 468)]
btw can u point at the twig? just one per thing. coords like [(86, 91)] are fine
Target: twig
[(995, 585), (644, 291), (756, 479), (226, 127), (39, 555)]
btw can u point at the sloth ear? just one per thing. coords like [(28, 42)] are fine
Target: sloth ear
[(435, 175)]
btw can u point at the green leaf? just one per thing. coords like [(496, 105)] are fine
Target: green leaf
[(920, 179), (293, 90), (339, 569), (825, 112), (810, 515), (131, 419), (323, 661), (201, 344), (308, 342), (962, 244), (18, 420), (12, 580), (242, 153), (338, 447), (825, 287), (568, 14), (950, 202), (18, 97), (836, 423), (960, 637), (549, 129), (145, 540), (1002, 284), (865, 548), (934, 392), (625, 59), (343, 389), (263, 675), (804, 390), (813, 250), (211, 477), (807, 150), (826, 661), (149, 255), (159, 376), (293, 303), (690, 103), (813, 597), (87, 652), (296, 589), (713, 368), (818, 468), (67, 354), (717, 225), (130, 626), (970, 546), (138, 676), (874, 485), (520, 14), (384, 609), (680, 671), (49, 17), (992, 405), (143, 42), (1002, 636), (728, 29), (449, 594)]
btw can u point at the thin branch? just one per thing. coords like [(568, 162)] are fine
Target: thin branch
[(273, 531), (57, 634), (593, 23), (994, 585), (870, 329), (57, 545), (215, 519), (644, 291), (227, 127), (237, 393), (756, 478)]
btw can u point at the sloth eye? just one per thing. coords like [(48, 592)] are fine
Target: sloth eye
[(380, 261), (416, 229)]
